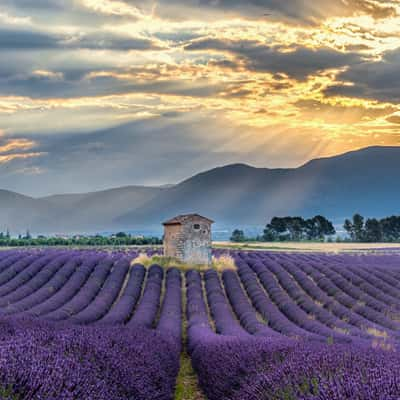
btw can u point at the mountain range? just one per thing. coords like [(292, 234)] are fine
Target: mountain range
[(365, 181)]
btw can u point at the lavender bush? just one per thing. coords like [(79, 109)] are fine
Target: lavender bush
[(43, 360), (89, 325)]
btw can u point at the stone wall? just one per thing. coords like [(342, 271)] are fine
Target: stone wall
[(187, 243), (173, 241), (197, 243)]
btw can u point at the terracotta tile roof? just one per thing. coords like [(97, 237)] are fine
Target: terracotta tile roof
[(180, 219)]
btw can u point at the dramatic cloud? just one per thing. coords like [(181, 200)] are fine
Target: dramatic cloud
[(9, 146), (113, 7), (395, 119), (342, 113), (12, 145), (48, 84), (378, 80), (30, 40), (36, 4), (303, 11), (99, 93), (25, 40), (7, 158), (297, 63), (12, 149)]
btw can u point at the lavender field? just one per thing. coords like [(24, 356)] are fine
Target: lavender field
[(90, 325)]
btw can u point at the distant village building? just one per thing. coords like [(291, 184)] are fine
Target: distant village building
[(188, 238)]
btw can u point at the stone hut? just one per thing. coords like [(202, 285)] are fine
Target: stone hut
[(188, 238)]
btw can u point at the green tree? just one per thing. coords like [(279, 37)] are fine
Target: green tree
[(373, 230), (275, 229), (296, 227), (349, 228), (391, 228), (121, 235), (355, 228), (358, 224), (238, 236), (318, 227)]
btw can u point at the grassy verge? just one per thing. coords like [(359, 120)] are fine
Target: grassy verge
[(187, 387)]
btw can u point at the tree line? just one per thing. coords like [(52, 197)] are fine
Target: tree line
[(319, 228), (284, 229), (119, 239), (373, 230)]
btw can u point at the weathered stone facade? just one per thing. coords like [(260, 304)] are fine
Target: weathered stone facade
[(188, 238)]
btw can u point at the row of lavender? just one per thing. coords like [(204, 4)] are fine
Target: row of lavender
[(86, 343), (262, 323), (331, 329)]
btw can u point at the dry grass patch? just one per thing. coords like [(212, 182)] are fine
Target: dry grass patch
[(142, 258), (381, 340), (220, 264), (378, 344), (162, 261), (166, 262), (224, 263), (377, 333), (341, 330)]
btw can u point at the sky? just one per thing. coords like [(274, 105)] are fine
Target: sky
[(103, 93)]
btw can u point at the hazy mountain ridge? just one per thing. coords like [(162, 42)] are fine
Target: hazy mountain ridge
[(63, 213), (363, 181)]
